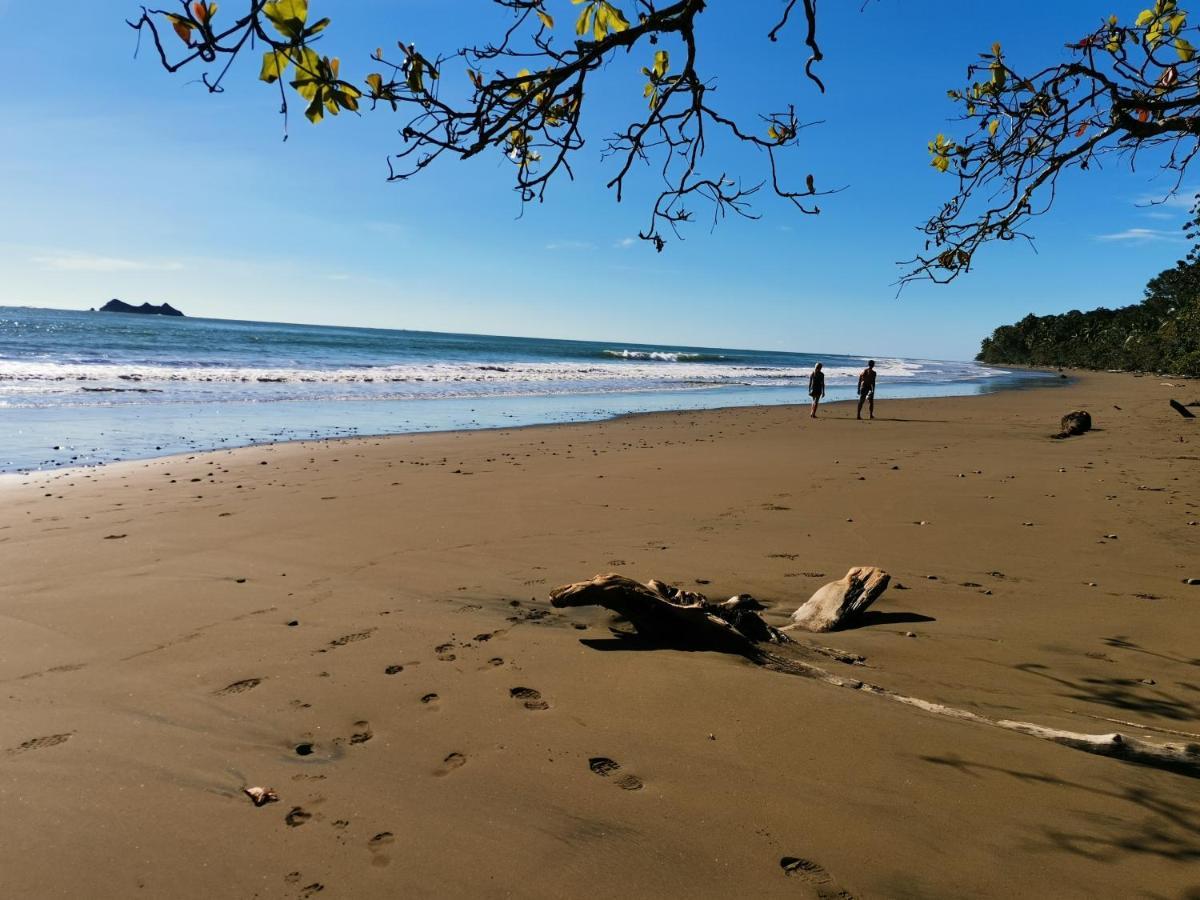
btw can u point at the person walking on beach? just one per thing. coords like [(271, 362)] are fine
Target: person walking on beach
[(866, 389), (816, 388)]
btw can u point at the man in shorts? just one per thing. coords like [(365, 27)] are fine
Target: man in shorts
[(866, 389)]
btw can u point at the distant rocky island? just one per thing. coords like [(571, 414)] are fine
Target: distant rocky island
[(146, 309)]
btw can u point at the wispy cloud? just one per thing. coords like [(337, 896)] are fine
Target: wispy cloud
[(84, 262), (625, 243), (570, 245), (1141, 236), (1184, 198)]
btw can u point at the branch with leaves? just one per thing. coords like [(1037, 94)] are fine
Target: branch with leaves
[(471, 101), (1129, 89)]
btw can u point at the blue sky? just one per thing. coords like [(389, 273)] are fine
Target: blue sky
[(120, 180)]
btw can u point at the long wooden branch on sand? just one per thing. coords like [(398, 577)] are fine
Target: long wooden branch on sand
[(671, 617)]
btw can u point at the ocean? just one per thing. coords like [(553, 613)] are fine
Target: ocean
[(85, 388)]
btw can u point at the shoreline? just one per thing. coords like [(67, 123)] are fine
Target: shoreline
[(585, 419), (172, 630)]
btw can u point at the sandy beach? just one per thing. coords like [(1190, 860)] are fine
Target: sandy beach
[(174, 631)]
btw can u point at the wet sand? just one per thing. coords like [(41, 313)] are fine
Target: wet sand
[(173, 631)]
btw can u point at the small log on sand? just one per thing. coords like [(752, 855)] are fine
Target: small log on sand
[(673, 617), (1182, 410), (839, 603)]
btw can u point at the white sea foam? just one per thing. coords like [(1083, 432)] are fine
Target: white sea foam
[(32, 383), (661, 355)]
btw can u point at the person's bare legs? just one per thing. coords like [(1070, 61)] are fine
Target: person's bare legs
[(871, 405), (813, 412), (861, 398)]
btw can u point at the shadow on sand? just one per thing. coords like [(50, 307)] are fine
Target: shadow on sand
[(878, 617), (1154, 823), (1126, 694)]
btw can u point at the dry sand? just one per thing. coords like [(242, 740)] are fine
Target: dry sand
[(170, 632)]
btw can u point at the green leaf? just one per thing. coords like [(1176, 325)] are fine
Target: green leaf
[(1184, 48), (547, 19), (288, 16), (1144, 18), (316, 28), (993, 126), (274, 64)]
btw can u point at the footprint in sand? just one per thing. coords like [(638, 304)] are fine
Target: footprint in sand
[(430, 699), (444, 653), (363, 734), (393, 670), (352, 638), (529, 697), (450, 763), (309, 889), (239, 687), (41, 743), (377, 845), (607, 768), (496, 661), (815, 875), (297, 817)]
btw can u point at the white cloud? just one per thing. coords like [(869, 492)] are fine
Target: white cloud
[(1184, 198), (570, 245), (83, 262), (1141, 236), (625, 243)]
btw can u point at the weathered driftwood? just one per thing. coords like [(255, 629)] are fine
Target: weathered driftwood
[(668, 615), (1182, 410), (839, 603), (677, 618)]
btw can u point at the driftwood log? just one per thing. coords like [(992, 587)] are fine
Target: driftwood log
[(672, 618), (840, 603), (1182, 410)]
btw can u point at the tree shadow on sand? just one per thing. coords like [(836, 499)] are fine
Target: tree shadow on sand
[(1121, 642), (1154, 824), (1127, 694)]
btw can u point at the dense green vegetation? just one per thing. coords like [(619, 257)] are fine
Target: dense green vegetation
[(1160, 334)]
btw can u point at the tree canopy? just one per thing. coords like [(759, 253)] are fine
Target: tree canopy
[(521, 92), (1160, 334), (1125, 88)]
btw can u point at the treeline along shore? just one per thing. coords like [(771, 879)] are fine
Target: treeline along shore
[(1159, 334)]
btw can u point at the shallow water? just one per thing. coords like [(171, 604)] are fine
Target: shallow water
[(80, 388)]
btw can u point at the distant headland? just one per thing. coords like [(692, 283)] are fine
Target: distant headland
[(146, 309)]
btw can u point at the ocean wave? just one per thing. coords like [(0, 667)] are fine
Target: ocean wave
[(664, 355), (38, 383)]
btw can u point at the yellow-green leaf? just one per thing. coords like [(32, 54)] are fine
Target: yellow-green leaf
[(1185, 49), (992, 127), (547, 19), (288, 16), (274, 64)]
